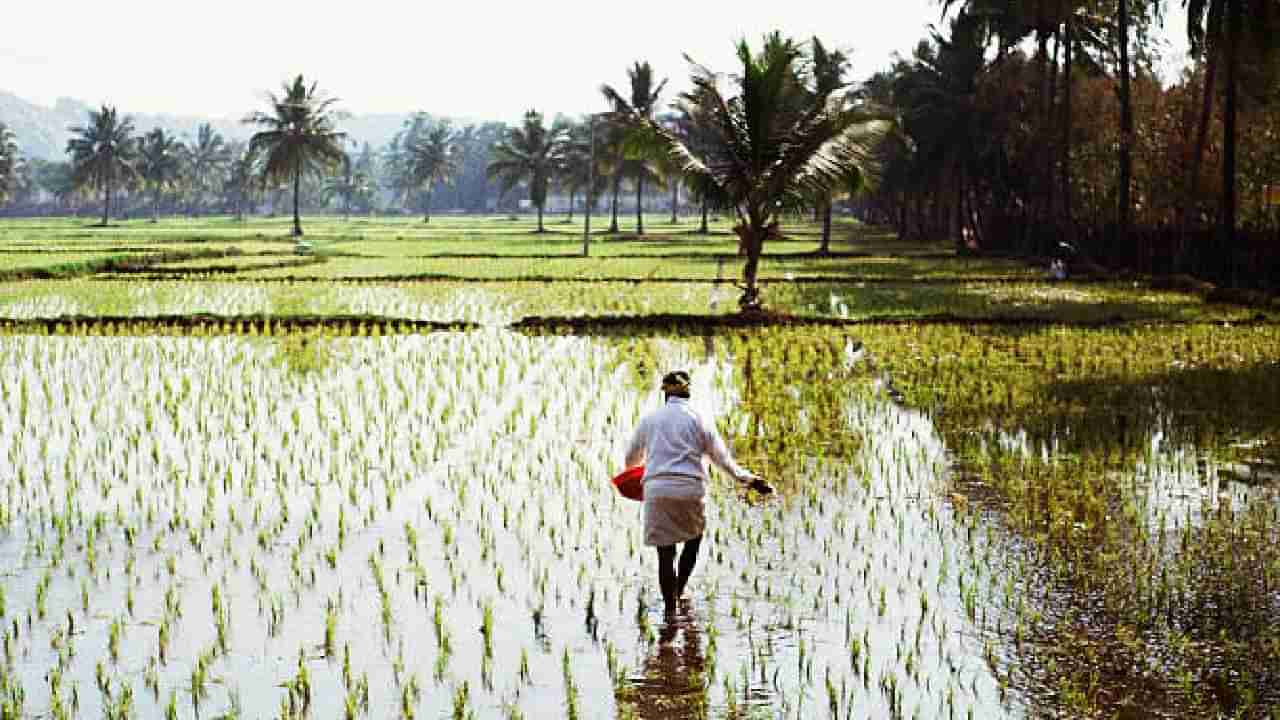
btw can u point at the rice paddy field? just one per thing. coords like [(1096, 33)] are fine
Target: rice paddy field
[(372, 482)]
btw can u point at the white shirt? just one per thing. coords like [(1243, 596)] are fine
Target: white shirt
[(672, 442)]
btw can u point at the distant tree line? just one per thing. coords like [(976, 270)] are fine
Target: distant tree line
[(1019, 126), (430, 165)]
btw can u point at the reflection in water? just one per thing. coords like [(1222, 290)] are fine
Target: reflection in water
[(672, 682)]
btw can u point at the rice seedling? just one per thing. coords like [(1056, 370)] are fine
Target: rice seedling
[(396, 466)]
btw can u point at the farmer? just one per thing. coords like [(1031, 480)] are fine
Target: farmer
[(671, 443)]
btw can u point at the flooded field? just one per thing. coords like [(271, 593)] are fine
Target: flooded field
[(998, 497), (423, 526)]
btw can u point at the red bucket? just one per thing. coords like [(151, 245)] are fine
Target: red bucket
[(630, 483)]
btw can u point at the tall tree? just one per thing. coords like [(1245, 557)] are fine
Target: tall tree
[(577, 174), (783, 134), (696, 130), (532, 154), (353, 184), (299, 137), (1219, 25), (240, 185), (642, 102), (103, 154), (829, 68), (397, 159), (432, 160), (207, 159), (159, 162), (1126, 126)]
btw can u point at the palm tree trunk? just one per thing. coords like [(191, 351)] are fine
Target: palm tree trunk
[(573, 196), (155, 207), (703, 229), (106, 204), (1126, 130), (754, 230), (426, 207), (297, 194), (1227, 240), (1051, 184), (1067, 121), (540, 217), (675, 200), (640, 204), (1202, 129), (617, 187), (825, 247)]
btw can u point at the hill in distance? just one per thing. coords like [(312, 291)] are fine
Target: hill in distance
[(42, 131)]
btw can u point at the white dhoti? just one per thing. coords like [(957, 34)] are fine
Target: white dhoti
[(673, 509)]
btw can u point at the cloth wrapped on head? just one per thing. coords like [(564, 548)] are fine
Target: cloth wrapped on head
[(676, 384)]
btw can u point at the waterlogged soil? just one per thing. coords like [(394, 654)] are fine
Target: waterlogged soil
[(431, 514)]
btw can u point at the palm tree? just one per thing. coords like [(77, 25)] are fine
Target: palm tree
[(668, 170), (364, 175), (240, 185), (696, 131), (9, 163), (299, 138), (398, 158), (207, 159), (577, 174), (432, 159), (533, 154), (642, 103), (782, 134), (103, 153), (610, 145), (159, 162), (353, 183)]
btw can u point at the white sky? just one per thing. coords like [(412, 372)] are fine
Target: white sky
[(478, 60)]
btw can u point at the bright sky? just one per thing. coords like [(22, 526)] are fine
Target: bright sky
[(478, 60)]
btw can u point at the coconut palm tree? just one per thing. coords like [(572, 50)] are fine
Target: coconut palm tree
[(365, 173), (103, 154), (351, 184), (532, 154), (9, 163), (159, 163), (432, 159), (576, 174), (643, 103), (240, 186), (695, 130), (782, 134), (207, 159), (299, 137), (398, 159)]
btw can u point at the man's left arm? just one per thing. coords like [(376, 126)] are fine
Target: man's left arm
[(636, 448)]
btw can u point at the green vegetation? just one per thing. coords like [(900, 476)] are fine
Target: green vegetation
[(995, 491)]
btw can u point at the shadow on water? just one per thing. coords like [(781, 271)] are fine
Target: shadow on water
[(671, 682)]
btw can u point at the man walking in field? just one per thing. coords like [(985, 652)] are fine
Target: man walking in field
[(671, 443)]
